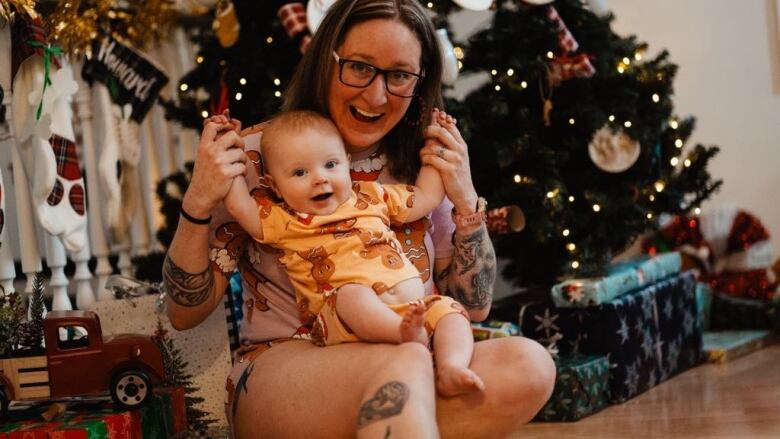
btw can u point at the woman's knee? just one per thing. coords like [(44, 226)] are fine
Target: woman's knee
[(538, 371), (412, 358)]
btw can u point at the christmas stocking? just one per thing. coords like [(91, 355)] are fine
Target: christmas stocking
[(129, 181), (45, 138)]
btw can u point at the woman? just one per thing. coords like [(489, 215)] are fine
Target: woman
[(285, 387)]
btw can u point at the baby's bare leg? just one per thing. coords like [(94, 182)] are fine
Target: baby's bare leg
[(372, 320), (453, 345)]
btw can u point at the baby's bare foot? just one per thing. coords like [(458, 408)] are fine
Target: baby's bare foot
[(457, 380), (412, 328)]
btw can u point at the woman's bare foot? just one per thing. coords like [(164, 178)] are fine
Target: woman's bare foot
[(412, 328), (457, 380)]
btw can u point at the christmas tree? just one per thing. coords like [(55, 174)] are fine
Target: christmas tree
[(577, 128), (32, 330), (176, 376)]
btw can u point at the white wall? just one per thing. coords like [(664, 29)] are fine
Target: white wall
[(725, 80)]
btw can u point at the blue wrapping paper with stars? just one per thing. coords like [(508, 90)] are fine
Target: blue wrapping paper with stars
[(647, 335)]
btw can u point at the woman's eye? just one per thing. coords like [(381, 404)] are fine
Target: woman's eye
[(299, 173), (360, 68)]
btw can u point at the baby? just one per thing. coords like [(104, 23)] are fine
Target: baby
[(352, 280)]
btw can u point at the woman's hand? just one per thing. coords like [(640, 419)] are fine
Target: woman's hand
[(446, 151), (220, 158)]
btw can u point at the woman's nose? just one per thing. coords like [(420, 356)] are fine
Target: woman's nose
[(376, 92)]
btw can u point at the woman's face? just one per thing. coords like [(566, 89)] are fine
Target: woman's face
[(364, 115)]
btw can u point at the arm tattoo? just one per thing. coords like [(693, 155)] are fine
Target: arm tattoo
[(186, 289), (473, 270), (387, 402)]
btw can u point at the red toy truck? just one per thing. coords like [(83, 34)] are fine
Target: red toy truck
[(80, 362)]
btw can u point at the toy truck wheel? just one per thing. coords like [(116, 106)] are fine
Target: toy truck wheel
[(131, 389), (4, 401)]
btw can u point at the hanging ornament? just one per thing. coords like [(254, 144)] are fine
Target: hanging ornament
[(24, 7), (293, 18), (226, 24), (613, 151), (537, 2), (598, 7), (566, 40), (448, 58), (563, 68), (475, 5), (315, 12)]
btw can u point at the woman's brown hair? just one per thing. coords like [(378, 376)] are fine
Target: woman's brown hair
[(309, 87)]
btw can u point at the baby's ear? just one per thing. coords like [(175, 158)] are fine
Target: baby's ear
[(269, 180)]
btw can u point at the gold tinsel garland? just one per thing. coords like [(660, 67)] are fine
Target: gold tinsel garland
[(75, 24), (9, 7)]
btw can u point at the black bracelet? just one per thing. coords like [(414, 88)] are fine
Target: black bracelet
[(193, 220)]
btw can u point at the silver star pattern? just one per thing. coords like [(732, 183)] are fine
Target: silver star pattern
[(668, 308), (547, 322), (647, 344), (632, 379), (688, 323), (623, 331)]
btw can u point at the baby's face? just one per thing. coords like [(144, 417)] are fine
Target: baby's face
[(310, 170)]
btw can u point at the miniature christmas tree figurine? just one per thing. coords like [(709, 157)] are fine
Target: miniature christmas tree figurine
[(12, 315), (32, 330), (176, 376)]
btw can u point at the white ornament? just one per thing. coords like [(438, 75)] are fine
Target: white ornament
[(538, 2), (476, 5), (315, 12), (613, 151), (598, 7), (448, 59)]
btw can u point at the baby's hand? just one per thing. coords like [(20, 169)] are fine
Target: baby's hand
[(225, 122)]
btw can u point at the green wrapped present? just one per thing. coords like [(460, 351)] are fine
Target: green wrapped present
[(581, 389), (703, 304), (493, 329), (728, 312), (724, 346)]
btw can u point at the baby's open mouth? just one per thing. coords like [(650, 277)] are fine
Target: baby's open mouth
[(322, 197)]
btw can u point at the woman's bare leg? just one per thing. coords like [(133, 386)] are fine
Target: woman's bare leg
[(366, 390), (519, 376), (300, 390)]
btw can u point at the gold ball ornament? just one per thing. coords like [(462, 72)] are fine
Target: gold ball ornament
[(613, 151)]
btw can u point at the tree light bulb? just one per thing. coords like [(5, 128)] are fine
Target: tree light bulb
[(517, 178), (687, 163), (199, 59), (678, 143), (673, 124), (204, 113), (571, 198), (498, 87), (656, 98), (638, 56), (494, 72), (571, 247), (458, 52), (239, 96), (627, 124), (566, 232), (184, 87), (460, 65), (575, 264), (659, 186), (649, 215), (524, 84), (269, 40), (674, 161), (242, 81), (277, 81), (651, 197), (697, 211), (430, 5), (611, 117), (596, 208), (626, 61), (550, 55), (510, 72), (571, 121), (620, 69), (550, 194), (278, 94)]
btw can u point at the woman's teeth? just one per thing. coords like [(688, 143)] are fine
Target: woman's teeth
[(364, 116)]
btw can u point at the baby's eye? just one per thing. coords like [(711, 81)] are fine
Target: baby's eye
[(299, 172), (331, 164)]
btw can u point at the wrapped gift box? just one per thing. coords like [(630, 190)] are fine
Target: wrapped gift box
[(724, 346), (728, 312), (703, 304), (648, 335), (100, 419), (621, 279), (493, 329), (581, 388)]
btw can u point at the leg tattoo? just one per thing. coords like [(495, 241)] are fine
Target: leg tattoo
[(186, 289), (387, 402)]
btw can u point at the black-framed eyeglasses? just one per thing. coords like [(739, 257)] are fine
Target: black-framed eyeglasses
[(360, 74)]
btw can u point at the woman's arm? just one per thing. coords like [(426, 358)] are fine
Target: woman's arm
[(470, 275), (193, 290)]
